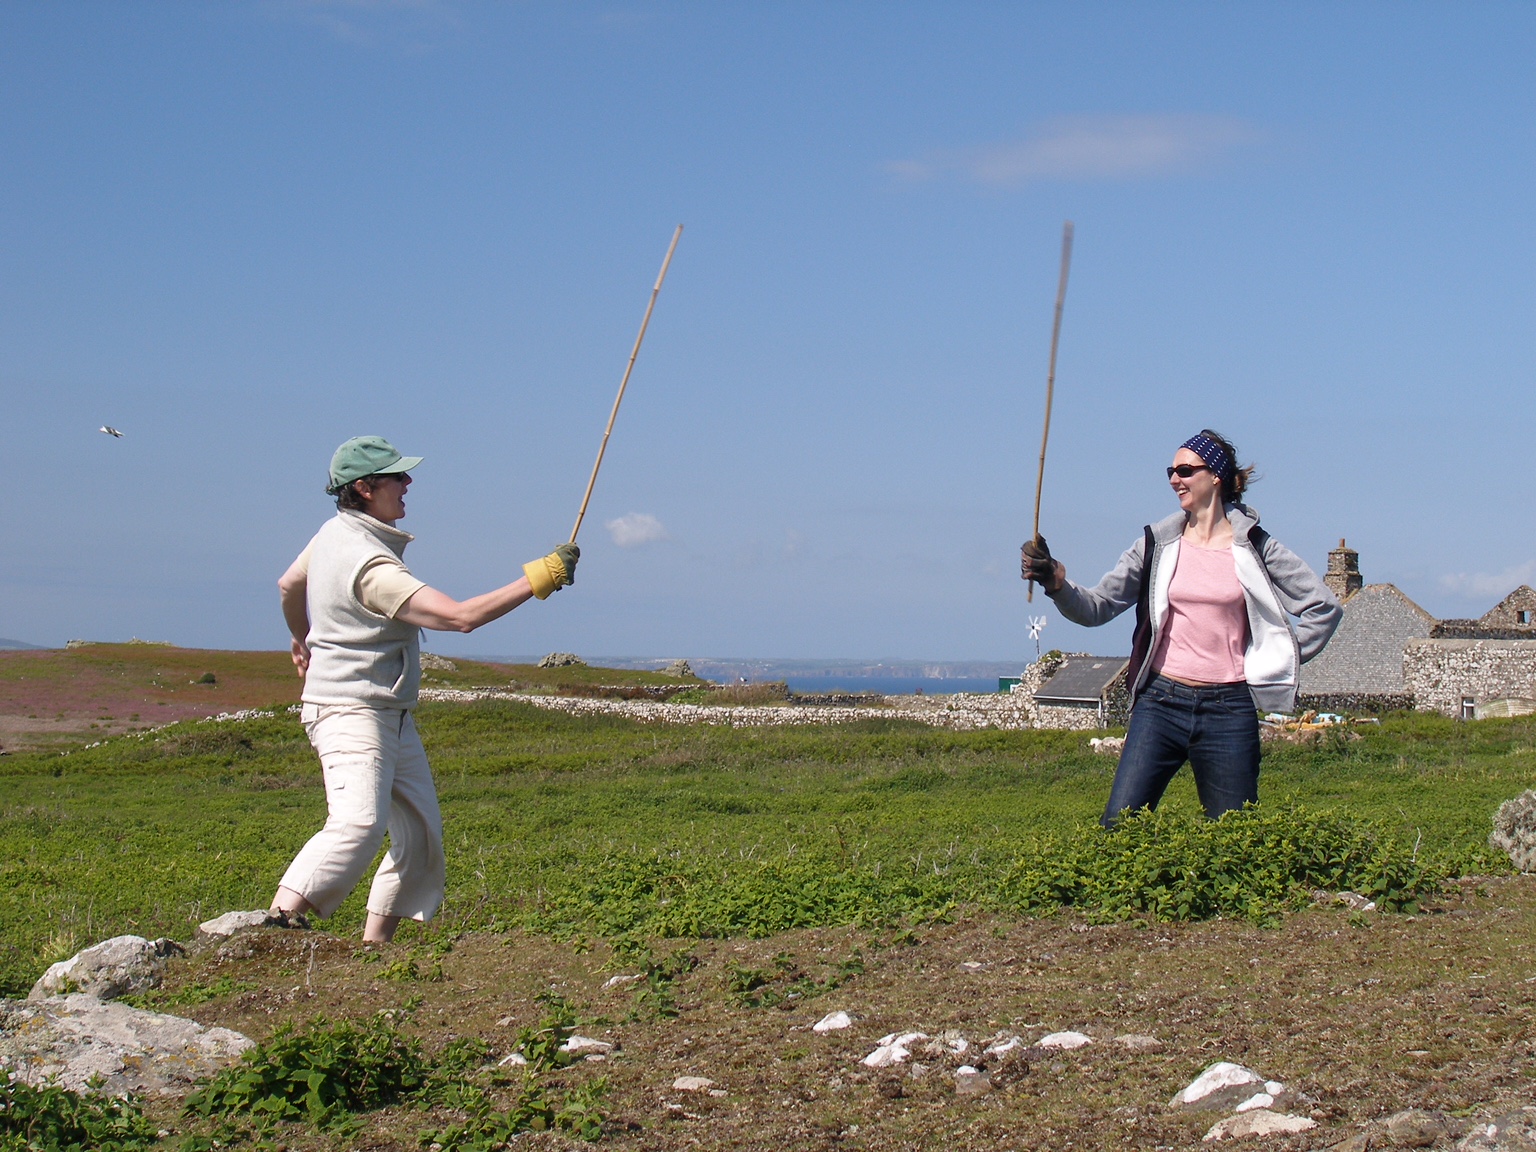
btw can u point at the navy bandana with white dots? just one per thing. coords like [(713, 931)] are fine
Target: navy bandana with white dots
[(1214, 455)]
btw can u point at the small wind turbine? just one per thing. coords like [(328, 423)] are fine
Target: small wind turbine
[(1036, 626), (110, 431)]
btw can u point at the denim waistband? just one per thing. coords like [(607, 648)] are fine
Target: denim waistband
[(1203, 692)]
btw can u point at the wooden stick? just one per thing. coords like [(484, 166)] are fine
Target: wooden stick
[(1050, 376), (624, 383)]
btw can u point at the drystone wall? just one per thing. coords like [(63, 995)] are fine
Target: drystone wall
[(1442, 674), (1354, 703)]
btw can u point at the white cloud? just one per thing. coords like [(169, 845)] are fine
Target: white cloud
[(1085, 148), (1485, 585), (635, 529)]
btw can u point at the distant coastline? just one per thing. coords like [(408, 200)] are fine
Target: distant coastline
[(891, 677)]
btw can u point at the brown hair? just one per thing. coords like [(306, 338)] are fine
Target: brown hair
[(1232, 487), (349, 499)]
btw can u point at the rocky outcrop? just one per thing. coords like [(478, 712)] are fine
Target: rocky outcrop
[(89, 1045), (562, 660), (1514, 831), (108, 970)]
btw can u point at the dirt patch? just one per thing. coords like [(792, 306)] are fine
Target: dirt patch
[(1364, 1015)]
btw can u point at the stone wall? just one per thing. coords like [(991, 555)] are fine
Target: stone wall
[(1441, 674), (1354, 703)]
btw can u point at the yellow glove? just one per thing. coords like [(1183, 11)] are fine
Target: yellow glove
[(548, 573)]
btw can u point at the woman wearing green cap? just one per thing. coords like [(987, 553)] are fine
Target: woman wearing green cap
[(356, 614)]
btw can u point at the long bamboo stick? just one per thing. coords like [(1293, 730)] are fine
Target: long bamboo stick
[(1050, 376), (624, 383)]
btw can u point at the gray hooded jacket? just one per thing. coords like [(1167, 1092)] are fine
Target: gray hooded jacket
[(1278, 587)]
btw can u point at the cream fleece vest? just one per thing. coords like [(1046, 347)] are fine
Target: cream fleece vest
[(357, 656)]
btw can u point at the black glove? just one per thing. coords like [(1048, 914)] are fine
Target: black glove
[(1037, 564), (569, 554)]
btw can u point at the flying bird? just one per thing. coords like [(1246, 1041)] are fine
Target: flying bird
[(110, 431)]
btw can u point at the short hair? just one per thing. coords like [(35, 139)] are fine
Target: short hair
[(349, 499)]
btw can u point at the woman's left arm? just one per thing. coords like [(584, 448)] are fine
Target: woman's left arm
[(1304, 596)]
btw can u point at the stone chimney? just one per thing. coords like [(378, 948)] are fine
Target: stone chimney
[(1343, 572)]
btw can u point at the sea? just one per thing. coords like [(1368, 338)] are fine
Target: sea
[(892, 677)]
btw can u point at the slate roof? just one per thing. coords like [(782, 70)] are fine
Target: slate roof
[(1365, 655), (1082, 680)]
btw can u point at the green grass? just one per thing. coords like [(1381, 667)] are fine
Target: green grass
[(602, 826)]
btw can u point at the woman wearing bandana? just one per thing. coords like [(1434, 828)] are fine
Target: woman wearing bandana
[(1215, 596)]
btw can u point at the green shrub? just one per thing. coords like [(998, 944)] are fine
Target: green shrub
[(490, 1130), (53, 1119), (1252, 864), (321, 1074)]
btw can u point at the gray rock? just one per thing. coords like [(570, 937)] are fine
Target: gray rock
[(431, 662), (971, 1081), (1514, 1132), (232, 922), (1359, 1142), (1417, 1128), (678, 668), (1514, 830), (108, 970), (1227, 1087), (87, 1045), (562, 660), (1136, 1042), (1259, 1122)]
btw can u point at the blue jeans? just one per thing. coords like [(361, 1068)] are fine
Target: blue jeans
[(1215, 728)]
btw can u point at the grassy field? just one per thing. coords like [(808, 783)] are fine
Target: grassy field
[(56, 697), (607, 827), (753, 879)]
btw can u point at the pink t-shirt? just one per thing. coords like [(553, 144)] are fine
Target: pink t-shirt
[(1207, 630)]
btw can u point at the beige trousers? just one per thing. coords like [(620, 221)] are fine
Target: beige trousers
[(377, 781)]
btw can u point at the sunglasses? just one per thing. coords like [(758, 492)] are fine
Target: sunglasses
[(1185, 471)]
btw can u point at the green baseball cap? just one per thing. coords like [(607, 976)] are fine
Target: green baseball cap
[(366, 456)]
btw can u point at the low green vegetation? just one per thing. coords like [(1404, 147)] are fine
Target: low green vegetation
[(598, 826), (52, 1119), (329, 1076)]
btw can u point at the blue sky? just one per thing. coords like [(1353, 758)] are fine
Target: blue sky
[(243, 232)]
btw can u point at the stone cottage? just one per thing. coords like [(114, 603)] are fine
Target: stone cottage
[(1085, 692), (1389, 653), (1361, 669)]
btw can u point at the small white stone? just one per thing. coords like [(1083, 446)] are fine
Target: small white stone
[(1260, 1122), (833, 1022), (1258, 1100), (232, 922), (577, 1045), (893, 1049), (513, 1058), (1274, 1087), (973, 966), (621, 980), (1064, 1040), (965, 1070), (718, 1092), (1003, 1047), (692, 1084)]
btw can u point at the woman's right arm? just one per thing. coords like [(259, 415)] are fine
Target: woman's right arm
[(293, 589), (1112, 595)]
